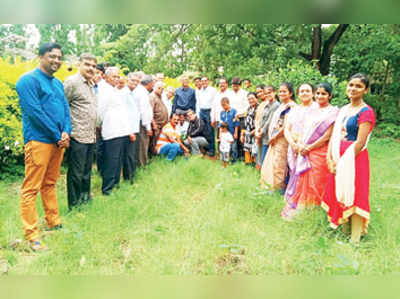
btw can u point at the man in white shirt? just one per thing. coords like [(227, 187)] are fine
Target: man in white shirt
[(117, 129), (205, 103), (167, 98), (240, 103), (142, 96), (217, 108), (131, 157)]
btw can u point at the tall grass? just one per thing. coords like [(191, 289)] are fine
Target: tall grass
[(194, 217)]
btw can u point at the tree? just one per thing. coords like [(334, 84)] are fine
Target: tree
[(321, 54)]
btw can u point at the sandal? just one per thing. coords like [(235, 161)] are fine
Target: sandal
[(37, 245)]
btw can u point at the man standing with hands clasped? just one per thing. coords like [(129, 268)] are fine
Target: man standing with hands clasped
[(46, 129), (83, 106)]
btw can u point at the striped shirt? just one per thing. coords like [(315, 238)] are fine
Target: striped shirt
[(163, 139)]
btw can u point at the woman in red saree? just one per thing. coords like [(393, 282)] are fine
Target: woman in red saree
[(310, 172), (347, 191)]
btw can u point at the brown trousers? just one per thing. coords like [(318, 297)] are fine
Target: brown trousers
[(42, 169)]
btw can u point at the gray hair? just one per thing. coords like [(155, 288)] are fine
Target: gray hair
[(112, 69), (87, 56), (158, 84), (147, 79), (133, 76)]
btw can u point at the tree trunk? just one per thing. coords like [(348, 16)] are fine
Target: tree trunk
[(316, 43), (325, 60)]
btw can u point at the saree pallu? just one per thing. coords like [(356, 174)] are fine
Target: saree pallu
[(338, 213), (274, 168)]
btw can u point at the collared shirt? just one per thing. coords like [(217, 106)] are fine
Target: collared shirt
[(133, 109), (185, 99), (205, 99), (168, 103), (113, 113), (228, 117), (239, 101), (83, 107), (217, 108), (44, 107), (142, 97), (160, 112)]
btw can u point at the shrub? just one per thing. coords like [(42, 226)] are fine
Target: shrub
[(11, 139)]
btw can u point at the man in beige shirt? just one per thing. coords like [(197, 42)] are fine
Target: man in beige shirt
[(83, 106)]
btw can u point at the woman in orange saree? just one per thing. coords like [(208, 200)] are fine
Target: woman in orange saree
[(309, 176)]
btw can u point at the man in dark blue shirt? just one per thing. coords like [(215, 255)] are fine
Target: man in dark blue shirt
[(185, 97), (46, 128)]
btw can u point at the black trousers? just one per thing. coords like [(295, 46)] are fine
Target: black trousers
[(100, 154), (80, 160), (114, 155), (131, 152)]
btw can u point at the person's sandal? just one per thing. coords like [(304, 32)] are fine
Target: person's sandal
[(37, 245)]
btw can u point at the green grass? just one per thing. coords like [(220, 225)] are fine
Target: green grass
[(196, 218)]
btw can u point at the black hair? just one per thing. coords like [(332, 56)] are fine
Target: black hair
[(225, 99), (363, 77), (305, 83), (48, 47), (252, 93), (289, 86), (247, 79), (100, 67), (224, 125), (327, 86), (197, 78), (261, 86), (236, 80)]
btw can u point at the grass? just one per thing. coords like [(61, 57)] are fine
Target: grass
[(196, 218)]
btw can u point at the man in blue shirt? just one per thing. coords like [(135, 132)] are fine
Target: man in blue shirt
[(185, 98), (46, 128)]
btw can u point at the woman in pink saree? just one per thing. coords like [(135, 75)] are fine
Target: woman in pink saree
[(309, 172), (274, 168)]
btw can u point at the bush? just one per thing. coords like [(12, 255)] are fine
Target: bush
[(297, 72)]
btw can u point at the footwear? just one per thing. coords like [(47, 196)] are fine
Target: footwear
[(54, 228), (37, 245)]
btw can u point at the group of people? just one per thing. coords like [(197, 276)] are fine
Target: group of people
[(311, 151)]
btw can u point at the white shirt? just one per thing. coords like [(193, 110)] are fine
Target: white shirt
[(182, 129), (113, 113), (133, 108), (142, 97), (167, 102), (205, 99), (226, 140), (217, 108), (239, 101)]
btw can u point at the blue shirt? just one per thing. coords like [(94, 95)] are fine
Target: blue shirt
[(45, 110), (227, 117), (184, 99)]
